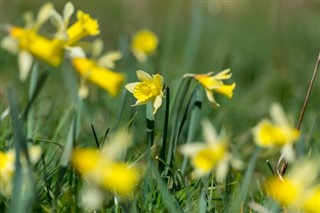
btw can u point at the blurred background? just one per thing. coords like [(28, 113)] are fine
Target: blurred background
[(271, 47)]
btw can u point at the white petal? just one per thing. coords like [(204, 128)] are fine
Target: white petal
[(25, 63), (288, 152), (44, 14), (222, 170), (209, 132), (108, 60), (67, 12), (57, 21), (97, 47), (141, 56), (130, 87), (192, 148), (76, 52), (10, 44), (143, 76), (29, 19), (224, 74), (157, 103), (277, 115), (210, 97)]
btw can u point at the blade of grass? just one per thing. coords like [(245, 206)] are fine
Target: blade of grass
[(23, 184)]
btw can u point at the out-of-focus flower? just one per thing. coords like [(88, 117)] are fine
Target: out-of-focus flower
[(294, 190), (276, 133), (85, 26), (103, 167), (143, 44), (213, 154), (312, 202), (7, 167), (97, 71), (149, 90), (27, 42), (214, 84)]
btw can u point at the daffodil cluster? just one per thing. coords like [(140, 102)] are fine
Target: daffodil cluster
[(27, 42)]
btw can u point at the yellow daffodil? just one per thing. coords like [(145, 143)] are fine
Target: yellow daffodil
[(97, 71), (103, 167), (214, 84), (85, 26), (7, 167), (149, 90), (213, 154), (143, 44), (276, 133), (312, 202), (26, 42), (293, 190)]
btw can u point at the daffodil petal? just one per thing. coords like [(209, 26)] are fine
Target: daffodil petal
[(226, 90), (224, 74), (25, 63), (67, 12), (130, 87), (209, 132), (210, 97), (157, 103), (143, 76), (277, 115)]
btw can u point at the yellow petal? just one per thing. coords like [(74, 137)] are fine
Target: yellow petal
[(210, 97), (225, 74), (107, 79), (226, 90), (157, 103)]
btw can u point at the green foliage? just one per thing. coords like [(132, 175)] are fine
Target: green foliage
[(270, 47)]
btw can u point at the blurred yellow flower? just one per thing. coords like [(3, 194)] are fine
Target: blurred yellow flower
[(278, 133), (293, 190), (148, 90), (85, 26), (143, 44), (103, 77), (284, 191), (312, 202), (50, 51), (103, 167), (213, 154), (214, 84), (7, 167)]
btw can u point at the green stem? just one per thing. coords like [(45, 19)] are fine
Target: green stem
[(193, 126)]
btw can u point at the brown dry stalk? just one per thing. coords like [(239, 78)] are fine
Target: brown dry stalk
[(306, 100)]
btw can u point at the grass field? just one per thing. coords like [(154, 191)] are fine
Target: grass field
[(160, 106)]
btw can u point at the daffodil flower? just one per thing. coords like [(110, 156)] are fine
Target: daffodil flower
[(149, 90), (97, 71), (276, 133), (85, 26), (26, 42), (7, 167), (214, 84), (143, 44), (294, 191), (312, 204), (104, 167), (210, 155)]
